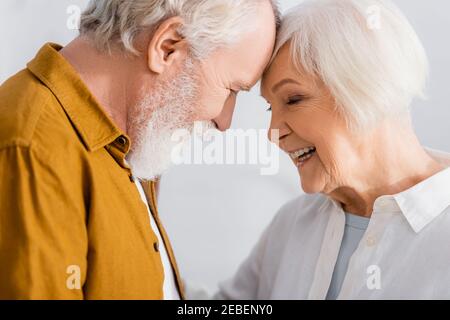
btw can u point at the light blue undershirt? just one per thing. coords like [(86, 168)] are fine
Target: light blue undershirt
[(355, 227)]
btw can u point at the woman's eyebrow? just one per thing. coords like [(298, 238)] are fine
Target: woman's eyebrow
[(283, 82)]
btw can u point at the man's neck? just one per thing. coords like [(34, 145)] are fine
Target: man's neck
[(106, 76)]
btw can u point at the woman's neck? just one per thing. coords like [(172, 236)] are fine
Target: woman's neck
[(392, 161)]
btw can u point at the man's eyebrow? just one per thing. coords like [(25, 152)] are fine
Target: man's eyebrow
[(243, 86), (278, 85)]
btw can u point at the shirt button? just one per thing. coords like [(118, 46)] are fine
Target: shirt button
[(371, 241), (156, 246), (121, 140)]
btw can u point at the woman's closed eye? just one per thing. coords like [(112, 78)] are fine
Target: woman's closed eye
[(294, 100)]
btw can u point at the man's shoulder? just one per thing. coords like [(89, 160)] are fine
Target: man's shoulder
[(31, 115)]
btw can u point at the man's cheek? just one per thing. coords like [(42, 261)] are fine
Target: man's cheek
[(212, 107)]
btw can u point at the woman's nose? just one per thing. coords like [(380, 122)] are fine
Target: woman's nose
[(278, 129)]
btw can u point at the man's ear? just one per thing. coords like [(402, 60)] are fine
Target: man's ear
[(167, 47)]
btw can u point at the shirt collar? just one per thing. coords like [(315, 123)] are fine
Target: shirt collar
[(422, 203), (91, 122)]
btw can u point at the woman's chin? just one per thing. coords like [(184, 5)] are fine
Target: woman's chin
[(311, 177), (310, 187)]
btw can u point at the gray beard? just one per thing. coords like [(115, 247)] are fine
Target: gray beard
[(171, 106)]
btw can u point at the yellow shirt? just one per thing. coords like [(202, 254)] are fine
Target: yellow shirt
[(72, 223)]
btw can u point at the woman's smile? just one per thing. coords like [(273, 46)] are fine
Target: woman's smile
[(302, 156)]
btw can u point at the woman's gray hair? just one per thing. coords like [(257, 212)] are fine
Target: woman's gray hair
[(365, 51), (208, 24)]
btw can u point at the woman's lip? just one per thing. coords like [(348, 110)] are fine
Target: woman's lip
[(298, 149), (299, 152), (300, 164)]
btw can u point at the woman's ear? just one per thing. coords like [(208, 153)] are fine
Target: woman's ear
[(167, 47)]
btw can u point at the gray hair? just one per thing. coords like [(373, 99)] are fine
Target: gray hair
[(365, 51), (208, 24)]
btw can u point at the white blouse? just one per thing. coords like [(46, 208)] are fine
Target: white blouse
[(404, 253)]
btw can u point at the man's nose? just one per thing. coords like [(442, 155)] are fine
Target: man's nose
[(223, 121)]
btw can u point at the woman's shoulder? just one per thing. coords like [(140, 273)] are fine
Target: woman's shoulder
[(302, 207), (303, 203)]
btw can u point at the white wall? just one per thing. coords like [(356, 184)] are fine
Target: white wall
[(215, 214)]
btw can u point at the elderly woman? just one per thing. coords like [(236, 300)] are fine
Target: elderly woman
[(375, 223)]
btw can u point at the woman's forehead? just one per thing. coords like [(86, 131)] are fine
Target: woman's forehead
[(283, 70)]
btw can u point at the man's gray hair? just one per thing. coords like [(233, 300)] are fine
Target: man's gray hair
[(208, 24)]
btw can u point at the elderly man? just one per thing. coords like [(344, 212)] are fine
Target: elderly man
[(81, 126)]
